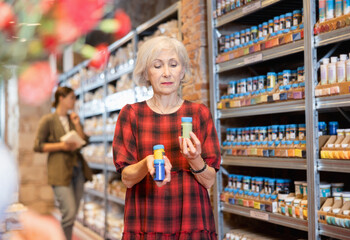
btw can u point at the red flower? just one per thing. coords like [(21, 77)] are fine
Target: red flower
[(50, 43), (84, 14), (125, 23), (7, 19), (100, 58), (36, 83)]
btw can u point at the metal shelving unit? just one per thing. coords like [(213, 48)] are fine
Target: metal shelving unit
[(264, 55), (335, 36), (333, 101), (262, 109), (311, 107), (334, 232), (332, 165), (266, 216), (265, 162)]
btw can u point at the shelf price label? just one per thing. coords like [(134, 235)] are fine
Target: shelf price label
[(253, 59), (251, 7), (259, 215)]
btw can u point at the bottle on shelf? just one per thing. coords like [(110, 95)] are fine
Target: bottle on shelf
[(329, 9), (324, 71), (322, 10), (347, 66), (332, 70), (341, 68)]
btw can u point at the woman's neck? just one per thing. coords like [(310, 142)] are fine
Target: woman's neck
[(61, 111), (165, 104)]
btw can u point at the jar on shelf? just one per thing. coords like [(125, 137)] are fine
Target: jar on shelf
[(253, 184), (282, 22), (287, 74), (271, 79), (276, 25), (302, 131), (232, 41), (271, 26), (289, 20), (249, 84), (254, 32), (265, 27), (269, 133), (247, 35), (287, 132), (239, 181), (279, 185), (242, 36), (227, 42), (297, 18), (274, 135), (280, 78), (322, 128), (252, 134), (255, 83), (292, 131), (247, 183), (333, 126), (262, 133), (261, 82), (281, 132), (294, 76), (237, 38), (260, 31), (247, 134), (232, 87), (243, 85), (266, 184), (272, 185)]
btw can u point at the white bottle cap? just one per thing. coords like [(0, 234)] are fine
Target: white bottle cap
[(325, 61), (334, 59), (343, 57)]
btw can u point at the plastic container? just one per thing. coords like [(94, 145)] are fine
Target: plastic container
[(232, 87), (247, 183), (298, 187), (346, 196), (237, 38), (261, 82), (265, 26), (275, 132), (281, 132), (305, 189), (239, 181), (346, 7), (271, 185), (243, 85), (242, 36), (279, 185), (325, 190), (341, 68), (186, 126), (287, 75), (255, 84), (282, 22), (292, 131), (260, 31), (289, 20), (254, 32), (159, 170), (333, 126), (322, 10), (332, 70), (322, 128), (302, 131), (249, 84), (262, 133), (324, 71), (276, 25), (271, 79), (339, 8), (337, 187), (247, 35), (300, 74), (271, 26), (297, 18)]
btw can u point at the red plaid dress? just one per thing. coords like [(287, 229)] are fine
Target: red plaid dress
[(181, 209)]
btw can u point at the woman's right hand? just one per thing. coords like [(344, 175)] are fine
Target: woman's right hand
[(68, 147), (167, 166)]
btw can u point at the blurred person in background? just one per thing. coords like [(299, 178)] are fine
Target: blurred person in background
[(67, 169)]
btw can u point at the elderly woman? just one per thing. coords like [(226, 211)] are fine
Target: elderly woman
[(178, 207)]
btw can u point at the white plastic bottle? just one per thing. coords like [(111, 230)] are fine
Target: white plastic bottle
[(347, 65), (332, 70), (324, 71), (341, 69)]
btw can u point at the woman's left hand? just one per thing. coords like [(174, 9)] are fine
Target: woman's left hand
[(191, 148), (75, 118)]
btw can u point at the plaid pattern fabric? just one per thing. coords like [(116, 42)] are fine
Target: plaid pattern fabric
[(180, 209)]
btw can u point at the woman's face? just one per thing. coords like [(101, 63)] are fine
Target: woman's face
[(68, 101), (165, 73)]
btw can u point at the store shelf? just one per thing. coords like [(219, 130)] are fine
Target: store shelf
[(261, 109), (262, 56), (114, 74), (159, 18), (121, 41), (82, 232), (244, 11), (267, 217), (92, 114), (266, 162), (110, 138), (335, 36), (99, 82), (73, 71), (333, 101), (116, 200), (99, 166), (78, 92), (94, 192), (334, 232), (110, 166), (97, 138), (332, 165)]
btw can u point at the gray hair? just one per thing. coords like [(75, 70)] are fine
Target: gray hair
[(149, 51)]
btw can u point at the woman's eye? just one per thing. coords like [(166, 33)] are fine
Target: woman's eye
[(173, 64), (157, 66)]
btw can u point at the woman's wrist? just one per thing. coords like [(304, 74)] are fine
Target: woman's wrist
[(197, 164)]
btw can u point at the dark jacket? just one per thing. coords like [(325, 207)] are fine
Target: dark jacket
[(60, 164)]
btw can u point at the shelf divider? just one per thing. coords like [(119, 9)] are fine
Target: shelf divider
[(333, 165), (334, 232)]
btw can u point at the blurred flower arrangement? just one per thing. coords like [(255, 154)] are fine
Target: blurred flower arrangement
[(31, 30)]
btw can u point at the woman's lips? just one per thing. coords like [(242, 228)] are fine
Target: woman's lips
[(167, 83)]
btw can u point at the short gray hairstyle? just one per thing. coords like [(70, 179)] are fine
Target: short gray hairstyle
[(149, 51)]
